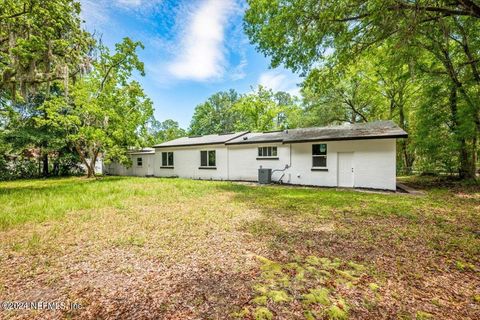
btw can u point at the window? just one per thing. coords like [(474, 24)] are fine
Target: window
[(207, 158), (167, 159), (267, 152), (139, 162), (319, 155)]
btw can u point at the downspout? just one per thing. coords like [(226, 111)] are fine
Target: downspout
[(228, 162), (287, 166), (290, 155)]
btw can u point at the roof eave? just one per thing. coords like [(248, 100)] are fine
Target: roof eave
[(255, 142), (396, 136), (189, 145), (201, 144)]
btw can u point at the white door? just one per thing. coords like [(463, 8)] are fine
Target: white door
[(345, 169), (150, 161)]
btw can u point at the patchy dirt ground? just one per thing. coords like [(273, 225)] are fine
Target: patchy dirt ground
[(134, 248)]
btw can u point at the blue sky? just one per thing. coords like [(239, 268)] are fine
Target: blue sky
[(193, 48)]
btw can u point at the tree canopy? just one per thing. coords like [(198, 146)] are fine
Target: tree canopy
[(429, 50), (63, 94), (259, 110), (107, 110)]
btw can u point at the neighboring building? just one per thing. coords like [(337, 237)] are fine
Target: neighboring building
[(99, 165), (358, 155), (142, 164)]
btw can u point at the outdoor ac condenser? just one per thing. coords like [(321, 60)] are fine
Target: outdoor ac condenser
[(264, 176)]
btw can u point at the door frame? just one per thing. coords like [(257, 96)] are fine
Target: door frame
[(353, 168)]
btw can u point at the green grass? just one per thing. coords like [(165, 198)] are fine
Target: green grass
[(328, 253)]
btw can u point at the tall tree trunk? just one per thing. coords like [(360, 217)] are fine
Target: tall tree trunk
[(465, 168), (45, 164), (90, 172), (93, 160), (474, 156)]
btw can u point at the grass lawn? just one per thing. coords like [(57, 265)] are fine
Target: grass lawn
[(148, 248)]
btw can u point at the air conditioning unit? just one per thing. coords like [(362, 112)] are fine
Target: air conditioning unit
[(264, 176)]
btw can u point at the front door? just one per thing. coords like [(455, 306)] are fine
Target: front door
[(345, 169)]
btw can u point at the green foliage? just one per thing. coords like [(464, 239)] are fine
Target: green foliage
[(422, 315), (339, 95), (317, 296), (264, 110), (260, 300), (262, 313), (381, 59), (465, 266), (163, 131), (107, 111), (373, 286), (334, 312), (42, 41), (261, 110), (278, 296), (216, 115), (317, 290)]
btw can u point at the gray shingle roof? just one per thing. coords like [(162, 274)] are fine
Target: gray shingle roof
[(200, 140), (370, 130), (142, 151)]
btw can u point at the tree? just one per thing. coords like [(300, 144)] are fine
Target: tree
[(304, 34), (165, 131), (216, 115), (259, 110), (264, 110), (298, 33), (378, 85), (40, 42), (107, 111), (337, 95), (25, 132)]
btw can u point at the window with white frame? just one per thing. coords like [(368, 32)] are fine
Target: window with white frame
[(139, 161), (267, 152), (319, 155), (167, 159), (207, 158)]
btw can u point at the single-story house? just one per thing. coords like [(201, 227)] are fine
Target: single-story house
[(142, 164), (350, 155)]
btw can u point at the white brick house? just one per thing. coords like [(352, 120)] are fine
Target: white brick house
[(359, 155)]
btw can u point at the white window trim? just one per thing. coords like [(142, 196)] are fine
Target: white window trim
[(208, 152), (267, 157), (320, 156), (141, 164), (168, 165)]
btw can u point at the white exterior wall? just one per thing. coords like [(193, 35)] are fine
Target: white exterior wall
[(244, 165), (187, 163), (374, 163), (146, 169), (99, 166)]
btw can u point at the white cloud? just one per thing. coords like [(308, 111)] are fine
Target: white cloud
[(97, 12), (93, 12), (280, 80), (130, 3), (238, 72), (201, 55)]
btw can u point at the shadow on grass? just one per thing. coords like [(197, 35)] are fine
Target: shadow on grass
[(444, 183), (331, 203), (57, 184), (352, 224), (200, 292)]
